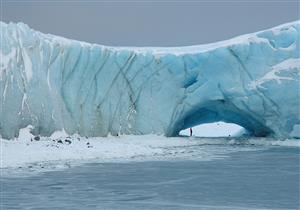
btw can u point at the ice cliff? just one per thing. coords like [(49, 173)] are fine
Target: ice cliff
[(53, 83)]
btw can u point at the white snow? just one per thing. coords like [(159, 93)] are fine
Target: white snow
[(24, 101), (57, 149), (286, 65), (25, 133), (292, 63), (27, 65)]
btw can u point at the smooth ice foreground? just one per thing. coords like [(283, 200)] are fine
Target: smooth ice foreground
[(53, 83)]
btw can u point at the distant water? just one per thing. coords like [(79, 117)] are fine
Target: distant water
[(247, 177)]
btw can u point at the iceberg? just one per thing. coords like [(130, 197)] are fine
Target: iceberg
[(53, 83)]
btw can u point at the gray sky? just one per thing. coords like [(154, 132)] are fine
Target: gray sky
[(150, 23)]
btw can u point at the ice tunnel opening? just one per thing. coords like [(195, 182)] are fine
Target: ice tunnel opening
[(215, 129), (220, 115)]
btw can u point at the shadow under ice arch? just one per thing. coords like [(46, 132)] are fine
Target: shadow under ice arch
[(54, 83)]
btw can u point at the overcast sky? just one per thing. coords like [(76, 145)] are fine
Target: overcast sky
[(150, 23)]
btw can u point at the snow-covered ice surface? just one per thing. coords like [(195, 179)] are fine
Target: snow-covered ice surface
[(54, 83), (26, 155)]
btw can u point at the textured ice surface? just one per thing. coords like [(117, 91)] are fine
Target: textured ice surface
[(53, 83), (60, 150)]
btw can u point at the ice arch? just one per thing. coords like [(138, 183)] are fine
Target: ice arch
[(53, 83), (221, 111)]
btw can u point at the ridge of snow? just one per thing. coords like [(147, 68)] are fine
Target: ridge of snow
[(161, 51)]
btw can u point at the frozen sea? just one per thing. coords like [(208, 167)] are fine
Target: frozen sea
[(221, 175)]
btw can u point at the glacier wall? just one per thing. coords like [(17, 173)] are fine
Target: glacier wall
[(53, 83)]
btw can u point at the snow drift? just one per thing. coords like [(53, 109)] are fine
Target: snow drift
[(53, 83)]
